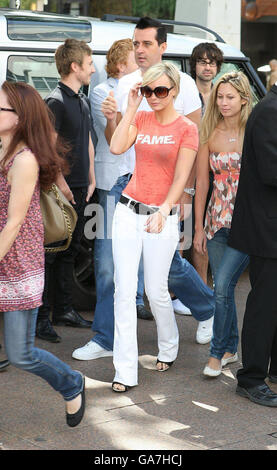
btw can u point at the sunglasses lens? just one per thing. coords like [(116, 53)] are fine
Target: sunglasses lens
[(161, 92), (146, 91)]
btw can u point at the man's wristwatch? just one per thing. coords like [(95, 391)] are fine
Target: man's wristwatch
[(190, 191)]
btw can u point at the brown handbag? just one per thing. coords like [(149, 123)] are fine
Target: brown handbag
[(59, 218)]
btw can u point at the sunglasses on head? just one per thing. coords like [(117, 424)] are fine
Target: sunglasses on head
[(159, 91)]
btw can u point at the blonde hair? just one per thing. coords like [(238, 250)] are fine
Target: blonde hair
[(163, 68), (118, 54), (212, 114)]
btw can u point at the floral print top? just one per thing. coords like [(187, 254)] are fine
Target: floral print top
[(226, 169), (22, 269)]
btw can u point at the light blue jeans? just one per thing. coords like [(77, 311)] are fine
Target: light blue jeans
[(186, 284), (103, 323), (227, 265), (19, 336)]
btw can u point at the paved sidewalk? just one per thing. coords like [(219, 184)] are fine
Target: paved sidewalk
[(176, 410)]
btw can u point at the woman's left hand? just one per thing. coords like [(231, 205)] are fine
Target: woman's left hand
[(155, 223)]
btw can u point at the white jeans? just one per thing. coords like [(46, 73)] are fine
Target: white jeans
[(130, 241)]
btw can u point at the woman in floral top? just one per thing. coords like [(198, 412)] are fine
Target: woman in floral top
[(221, 137), (29, 160)]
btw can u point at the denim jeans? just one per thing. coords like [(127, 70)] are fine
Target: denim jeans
[(185, 282), (103, 323), (19, 335), (227, 264)]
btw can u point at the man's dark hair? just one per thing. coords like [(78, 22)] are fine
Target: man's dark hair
[(208, 49), (147, 22)]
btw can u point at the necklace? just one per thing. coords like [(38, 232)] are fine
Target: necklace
[(230, 139)]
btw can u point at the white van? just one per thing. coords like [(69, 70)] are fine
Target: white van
[(28, 41)]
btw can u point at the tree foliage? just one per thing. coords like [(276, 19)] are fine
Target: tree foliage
[(161, 9), (25, 4), (97, 8), (153, 8)]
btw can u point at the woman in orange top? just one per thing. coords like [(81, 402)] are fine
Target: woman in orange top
[(146, 220)]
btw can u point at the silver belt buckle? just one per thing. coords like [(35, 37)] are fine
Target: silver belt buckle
[(131, 204), (128, 203)]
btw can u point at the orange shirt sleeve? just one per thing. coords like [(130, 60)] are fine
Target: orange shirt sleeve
[(190, 138)]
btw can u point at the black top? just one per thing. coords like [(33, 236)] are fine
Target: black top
[(254, 222), (73, 124)]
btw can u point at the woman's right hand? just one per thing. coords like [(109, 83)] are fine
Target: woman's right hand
[(134, 97), (200, 241)]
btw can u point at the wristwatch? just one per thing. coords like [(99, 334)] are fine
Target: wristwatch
[(190, 191)]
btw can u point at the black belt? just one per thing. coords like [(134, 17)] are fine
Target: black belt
[(141, 208)]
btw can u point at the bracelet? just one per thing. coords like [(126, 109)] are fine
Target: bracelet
[(190, 191), (163, 215)]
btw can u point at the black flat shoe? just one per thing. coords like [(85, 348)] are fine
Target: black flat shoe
[(73, 419), (169, 364), (260, 394), (4, 364), (71, 318)]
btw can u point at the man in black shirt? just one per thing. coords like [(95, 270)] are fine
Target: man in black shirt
[(71, 111)]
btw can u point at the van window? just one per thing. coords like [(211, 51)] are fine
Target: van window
[(40, 29), (177, 62), (38, 71)]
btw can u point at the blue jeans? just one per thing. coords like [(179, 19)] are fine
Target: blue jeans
[(227, 264), (185, 282), (103, 323), (19, 335)]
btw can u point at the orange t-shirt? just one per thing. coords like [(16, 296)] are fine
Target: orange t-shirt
[(157, 147)]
